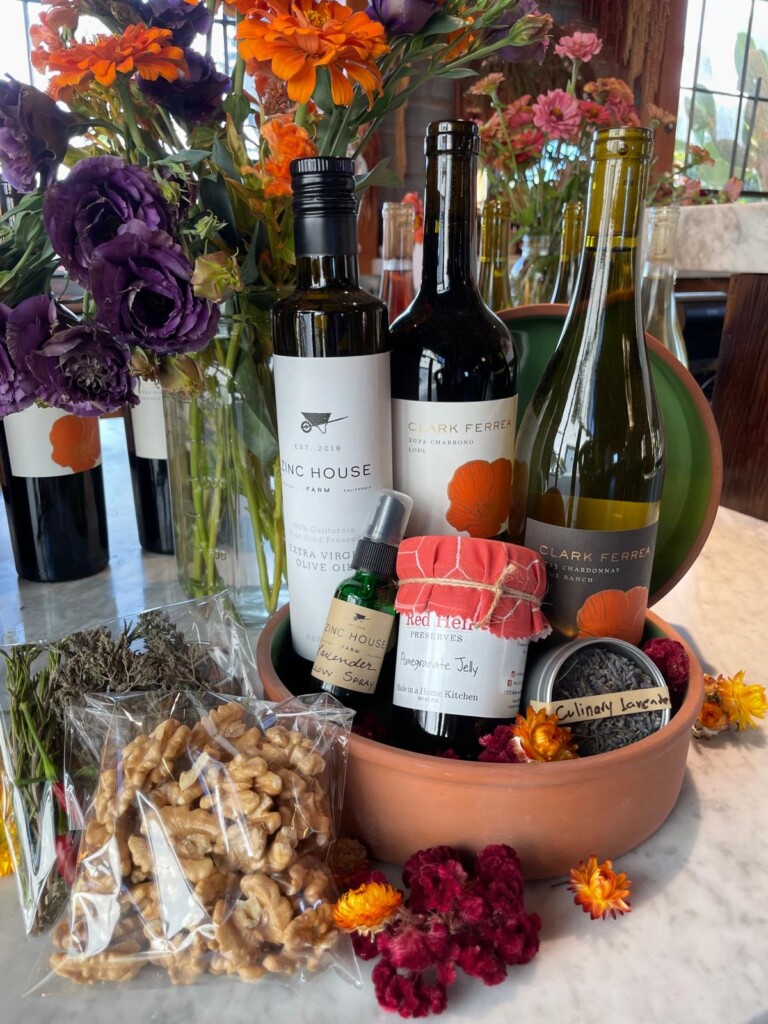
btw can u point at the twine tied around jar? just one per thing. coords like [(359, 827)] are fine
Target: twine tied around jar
[(498, 589)]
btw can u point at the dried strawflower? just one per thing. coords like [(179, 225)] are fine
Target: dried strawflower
[(729, 703), (599, 890), (741, 703), (541, 737), (367, 908)]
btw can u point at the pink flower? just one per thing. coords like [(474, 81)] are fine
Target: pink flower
[(558, 114), (731, 190), (580, 46)]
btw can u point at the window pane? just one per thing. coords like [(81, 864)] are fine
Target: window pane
[(692, 26), (15, 62), (721, 59), (714, 124)]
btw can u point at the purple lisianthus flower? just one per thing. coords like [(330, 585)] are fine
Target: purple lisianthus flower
[(85, 369), (28, 326), (142, 284), (184, 20), (100, 195), (533, 40), (194, 98), (34, 135), (403, 17), (17, 390)]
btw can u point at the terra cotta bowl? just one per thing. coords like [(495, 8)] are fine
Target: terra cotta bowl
[(554, 815)]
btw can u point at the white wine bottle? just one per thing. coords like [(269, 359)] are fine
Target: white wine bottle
[(589, 465), (332, 377)]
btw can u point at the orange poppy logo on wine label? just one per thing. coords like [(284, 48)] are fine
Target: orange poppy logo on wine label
[(75, 443), (478, 493), (619, 613)]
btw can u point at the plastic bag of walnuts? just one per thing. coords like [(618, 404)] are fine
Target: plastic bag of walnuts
[(204, 848)]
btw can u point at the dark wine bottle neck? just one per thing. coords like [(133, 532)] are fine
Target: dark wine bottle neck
[(449, 219), (327, 271)]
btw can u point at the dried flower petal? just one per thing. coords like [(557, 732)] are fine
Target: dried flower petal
[(599, 890), (671, 659), (367, 908), (542, 738)]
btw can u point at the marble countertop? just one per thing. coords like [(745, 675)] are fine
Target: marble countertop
[(694, 948)]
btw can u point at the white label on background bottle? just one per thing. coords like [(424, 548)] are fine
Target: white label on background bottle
[(148, 422), (44, 442), (455, 460), (334, 429)]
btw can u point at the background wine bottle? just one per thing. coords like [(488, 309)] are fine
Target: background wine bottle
[(453, 366), (332, 384), (571, 244), (659, 274), (50, 470), (589, 466), (493, 280), (148, 461), (396, 288)]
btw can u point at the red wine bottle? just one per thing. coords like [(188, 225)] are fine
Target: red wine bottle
[(148, 459), (50, 470)]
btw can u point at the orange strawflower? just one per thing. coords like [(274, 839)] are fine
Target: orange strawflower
[(367, 909), (300, 36), (287, 141), (146, 51), (712, 718), (599, 891), (741, 703), (542, 739)]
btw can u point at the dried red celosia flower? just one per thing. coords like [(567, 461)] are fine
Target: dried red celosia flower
[(671, 659)]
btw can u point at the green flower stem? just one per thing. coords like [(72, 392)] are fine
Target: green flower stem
[(214, 512), (279, 540), (246, 481), (200, 541), (300, 116), (238, 74), (134, 133)]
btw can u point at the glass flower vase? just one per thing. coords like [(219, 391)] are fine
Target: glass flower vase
[(225, 476), (532, 273)]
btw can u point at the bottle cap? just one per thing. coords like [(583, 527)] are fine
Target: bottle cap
[(324, 205), (377, 549)]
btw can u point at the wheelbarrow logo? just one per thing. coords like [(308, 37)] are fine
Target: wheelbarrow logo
[(319, 421)]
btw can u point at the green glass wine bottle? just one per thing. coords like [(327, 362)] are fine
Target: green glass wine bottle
[(453, 369), (589, 466), (571, 242), (331, 368), (493, 280)]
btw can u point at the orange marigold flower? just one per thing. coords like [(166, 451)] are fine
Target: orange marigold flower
[(741, 703), (599, 891), (367, 909), (458, 42), (301, 36), (287, 142), (542, 739), (146, 51)]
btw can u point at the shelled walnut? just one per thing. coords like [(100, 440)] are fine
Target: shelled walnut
[(200, 855)]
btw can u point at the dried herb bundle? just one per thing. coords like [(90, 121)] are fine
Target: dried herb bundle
[(596, 670)]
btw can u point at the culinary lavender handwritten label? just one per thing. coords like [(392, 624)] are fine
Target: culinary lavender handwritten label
[(606, 705)]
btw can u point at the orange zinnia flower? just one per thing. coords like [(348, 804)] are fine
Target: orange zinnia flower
[(599, 890), (367, 909), (301, 36), (478, 493), (542, 739), (287, 142), (146, 51)]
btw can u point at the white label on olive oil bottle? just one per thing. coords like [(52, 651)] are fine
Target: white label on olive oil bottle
[(455, 461), (355, 640), (334, 430)]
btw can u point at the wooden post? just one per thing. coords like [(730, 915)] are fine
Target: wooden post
[(740, 400)]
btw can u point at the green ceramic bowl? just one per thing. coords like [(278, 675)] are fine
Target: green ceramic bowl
[(694, 474)]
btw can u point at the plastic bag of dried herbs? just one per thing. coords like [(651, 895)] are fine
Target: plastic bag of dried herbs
[(197, 645), (205, 842)]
